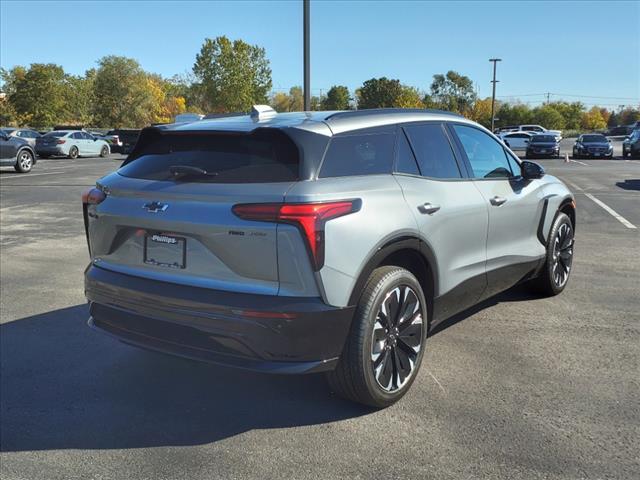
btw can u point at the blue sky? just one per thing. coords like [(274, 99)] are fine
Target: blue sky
[(588, 48)]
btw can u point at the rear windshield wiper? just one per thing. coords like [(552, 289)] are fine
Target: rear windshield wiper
[(181, 171)]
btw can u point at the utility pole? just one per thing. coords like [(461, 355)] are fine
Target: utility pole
[(493, 97), (307, 69), (548, 95)]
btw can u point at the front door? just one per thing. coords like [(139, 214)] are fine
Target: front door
[(450, 212), (515, 208)]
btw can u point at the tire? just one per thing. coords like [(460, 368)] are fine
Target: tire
[(73, 152), (104, 151), (24, 161), (557, 268), (357, 377)]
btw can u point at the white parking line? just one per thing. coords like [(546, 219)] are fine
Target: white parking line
[(7, 177), (581, 163), (613, 213)]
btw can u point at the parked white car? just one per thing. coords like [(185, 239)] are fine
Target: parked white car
[(540, 129), (516, 140), (72, 144)]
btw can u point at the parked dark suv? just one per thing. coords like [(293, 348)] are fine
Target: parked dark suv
[(16, 152), (318, 241)]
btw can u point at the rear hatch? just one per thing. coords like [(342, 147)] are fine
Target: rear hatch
[(50, 139), (167, 214)]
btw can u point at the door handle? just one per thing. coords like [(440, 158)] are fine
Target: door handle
[(497, 201), (428, 208)]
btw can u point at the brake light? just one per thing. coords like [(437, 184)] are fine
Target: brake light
[(93, 196), (61, 141), (310, 218)]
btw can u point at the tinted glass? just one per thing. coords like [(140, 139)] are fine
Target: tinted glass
[(514, 164), (543, 139), (55, 134), (366, 154), (433, 151), (406, 159), (252, 158), (486, 156), (594, 138), (87, 136), (77, 136)]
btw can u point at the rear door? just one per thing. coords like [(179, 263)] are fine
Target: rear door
[(515, 207), (181, 229), (450, 211)]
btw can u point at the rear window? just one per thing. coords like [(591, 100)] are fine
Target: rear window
[(56, 134), (364, 154), (227, 158)]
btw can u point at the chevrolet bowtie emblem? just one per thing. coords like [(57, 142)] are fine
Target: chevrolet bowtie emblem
[(155, 207)]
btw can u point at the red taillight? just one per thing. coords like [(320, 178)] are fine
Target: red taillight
[(310, 218), (93, 196), (61, 141)]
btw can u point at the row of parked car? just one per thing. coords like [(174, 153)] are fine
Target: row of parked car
[(20, 147), (536, 141)]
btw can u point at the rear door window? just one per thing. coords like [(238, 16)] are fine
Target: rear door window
[(406, 159), (226, 158), (433, 151), (360, 154)]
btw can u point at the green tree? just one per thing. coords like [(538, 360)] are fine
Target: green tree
[(38, 94), (379, 93), (453, 92), (8, 115), (232, 75), (337, 98), (548, 117), (571, 113), (614, 120), (78, 96), (513, 114), (123, 96)]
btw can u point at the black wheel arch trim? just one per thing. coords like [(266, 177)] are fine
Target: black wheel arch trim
[(543, 216), (395, 244)]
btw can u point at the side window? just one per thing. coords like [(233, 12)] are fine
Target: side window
[(87, 136), (487, 157), (363, 154), (433, 151), (513, 163), (76, 135), (406, 158)]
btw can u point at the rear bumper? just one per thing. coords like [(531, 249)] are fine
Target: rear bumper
[(255, 332), (49, 151)]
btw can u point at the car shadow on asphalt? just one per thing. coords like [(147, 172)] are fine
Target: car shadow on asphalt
[(66, 386), (629, 184), (519, 293)]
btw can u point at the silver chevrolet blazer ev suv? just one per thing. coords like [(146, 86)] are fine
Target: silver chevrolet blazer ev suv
[(318, 241)]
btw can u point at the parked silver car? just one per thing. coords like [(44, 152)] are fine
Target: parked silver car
[(72, 144), (318, 241), (27, 134)]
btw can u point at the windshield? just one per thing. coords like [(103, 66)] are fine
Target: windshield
[(593, 138), (543, 139), (56, 134)]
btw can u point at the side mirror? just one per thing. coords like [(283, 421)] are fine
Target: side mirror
[(526, 141), (4, 137), (531, 170)]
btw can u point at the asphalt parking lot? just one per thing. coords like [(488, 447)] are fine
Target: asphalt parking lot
[(518, 387)]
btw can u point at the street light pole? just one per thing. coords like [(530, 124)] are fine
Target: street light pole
[(493, 97), (307, 68)]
